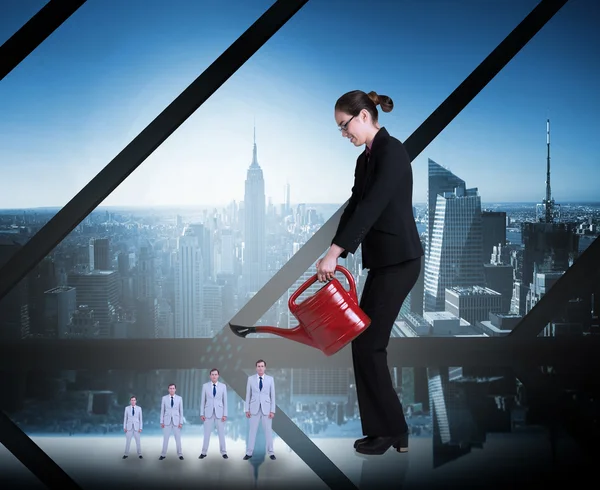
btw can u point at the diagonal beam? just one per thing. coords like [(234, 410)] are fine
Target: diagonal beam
[(33, 458), (579, 279), (260, 303), (132, 156), (482, 75), (231, 354), (228, 336), (34, 32), (128, 160)]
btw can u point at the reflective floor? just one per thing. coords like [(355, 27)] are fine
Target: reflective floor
[(95, 462)]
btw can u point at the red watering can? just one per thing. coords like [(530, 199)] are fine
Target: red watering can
[(328, 320)]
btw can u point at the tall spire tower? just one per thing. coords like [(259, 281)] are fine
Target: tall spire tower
[(254, 153), (254, 225), (548, 210)]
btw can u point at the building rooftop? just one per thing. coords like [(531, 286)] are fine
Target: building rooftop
[(95, 272), (439, 315), (472, 291)]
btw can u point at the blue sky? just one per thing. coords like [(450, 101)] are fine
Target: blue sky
[(91, 87)]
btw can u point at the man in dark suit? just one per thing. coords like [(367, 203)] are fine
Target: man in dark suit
[(379, 216)]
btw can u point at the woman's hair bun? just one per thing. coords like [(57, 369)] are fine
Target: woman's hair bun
[(385, 102)]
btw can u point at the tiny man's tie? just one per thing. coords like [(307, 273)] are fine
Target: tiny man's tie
[(171, 402), (260, 383), (132, 411), (214, 389)]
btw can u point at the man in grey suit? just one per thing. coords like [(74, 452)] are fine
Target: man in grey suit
[(171, 420), (260, 407), (132, 425), (213, 408)]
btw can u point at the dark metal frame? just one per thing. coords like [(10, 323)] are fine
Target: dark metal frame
[(227, 349), (34, 32)]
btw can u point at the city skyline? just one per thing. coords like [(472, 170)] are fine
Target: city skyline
[(127, 300), (61, 131)]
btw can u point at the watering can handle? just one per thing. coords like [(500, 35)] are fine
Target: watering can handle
[(313, 279)]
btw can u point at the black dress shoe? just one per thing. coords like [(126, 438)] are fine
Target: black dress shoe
[(141, 457), (225, 456), (246, 457), (181, 458), (161, 458), (379, 445), (125, 457), (202, 456), (273, 457), (360, 441)]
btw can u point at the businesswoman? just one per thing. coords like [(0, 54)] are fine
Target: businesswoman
[(379, 216)]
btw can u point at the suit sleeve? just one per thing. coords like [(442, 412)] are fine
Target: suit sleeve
[(224, 401), (181, 410), (272, 394), (392, 166), (125, 419), (141, 419), (348, 210), (202, 401), (247, 404), (162, 411)]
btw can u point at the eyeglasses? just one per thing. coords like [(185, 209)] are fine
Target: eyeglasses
[(344, 126)]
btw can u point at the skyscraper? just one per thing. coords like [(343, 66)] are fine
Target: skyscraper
[(254, 226), (440, 180), (100, 254), (188, 286), (549, 244), (454, 255), (494, 232), (99, 290), (146, 302)]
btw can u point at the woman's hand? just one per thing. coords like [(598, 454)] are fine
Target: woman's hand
[(326, 266)]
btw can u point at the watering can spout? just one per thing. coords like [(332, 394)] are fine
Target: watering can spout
[(297, 334)]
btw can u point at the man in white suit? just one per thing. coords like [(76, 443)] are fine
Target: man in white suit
[(171, 420), (213, 408), (132, 425), (260, 407)]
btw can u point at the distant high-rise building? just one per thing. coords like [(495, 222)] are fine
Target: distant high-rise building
[(440, 180), (14, 310), (61, 303), (549, 245), (100, 254), (84, 324), (227, 252), (288, 206), (99, 290), (146, 301), (474, 303), (455, 250), (493, 224), (39, 280), (90, 257), (189, 282), (213, 305), (254, 226), (166, 329), (205, 243)]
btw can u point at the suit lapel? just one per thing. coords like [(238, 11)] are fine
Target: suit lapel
[(368, 166), (362, 175)]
